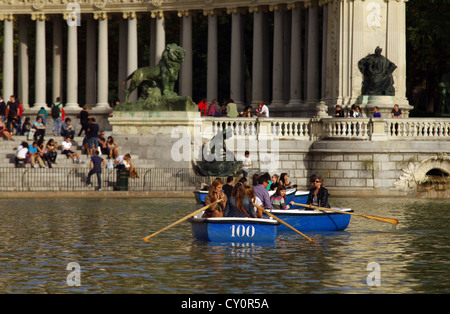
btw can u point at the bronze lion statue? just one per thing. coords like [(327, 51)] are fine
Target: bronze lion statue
[(158, 80)]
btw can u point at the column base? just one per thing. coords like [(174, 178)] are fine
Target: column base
[(72, 106), (102, 107), (37, 106)]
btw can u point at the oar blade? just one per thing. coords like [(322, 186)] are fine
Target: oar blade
[(145, 239), (381, 219)]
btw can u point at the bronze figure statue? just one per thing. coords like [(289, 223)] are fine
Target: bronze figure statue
[(224, 163), (377, 72)]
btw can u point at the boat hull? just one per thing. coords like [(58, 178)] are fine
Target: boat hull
[(200, 196), (300, 197), (308, 220), (234, 229)]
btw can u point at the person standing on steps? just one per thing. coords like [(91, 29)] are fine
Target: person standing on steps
[(84, 120), (96, 165), (56, 112)]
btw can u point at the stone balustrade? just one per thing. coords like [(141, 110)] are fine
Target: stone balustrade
[(304, 129)]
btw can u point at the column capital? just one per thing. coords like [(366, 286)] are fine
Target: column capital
[(157, 14), (277, 7), (6, 17), (129, 15), (67, 16), (313, 3), (236, 10), (296, 5), (38, 17), (100, 15), (207, 12), (257, 9), (182, 13)]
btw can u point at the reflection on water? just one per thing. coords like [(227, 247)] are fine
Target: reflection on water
[(39, 238)]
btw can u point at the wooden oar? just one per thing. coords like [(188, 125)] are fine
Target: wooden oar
[(382, 219), (180, 220), (283, 222)]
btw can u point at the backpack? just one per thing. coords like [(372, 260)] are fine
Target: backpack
[(55, 111)]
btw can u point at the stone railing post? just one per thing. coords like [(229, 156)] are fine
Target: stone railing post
[(378, 130), (268, 146), (317, 129)]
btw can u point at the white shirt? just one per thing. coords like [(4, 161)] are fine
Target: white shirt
[(264, 111), (246, 163), (119, 159), (22, 151), (66, 145), (257, 202)]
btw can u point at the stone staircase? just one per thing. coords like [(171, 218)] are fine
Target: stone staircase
[(8, 153)]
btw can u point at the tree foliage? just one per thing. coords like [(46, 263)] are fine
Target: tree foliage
[(428, 51)]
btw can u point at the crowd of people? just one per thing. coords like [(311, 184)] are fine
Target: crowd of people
[(44, 155), (355, 112), (229, 109), (238, 198)]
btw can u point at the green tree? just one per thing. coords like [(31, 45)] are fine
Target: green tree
[(428, 51)]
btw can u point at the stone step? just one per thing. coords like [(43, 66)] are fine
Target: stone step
[(8, 153)]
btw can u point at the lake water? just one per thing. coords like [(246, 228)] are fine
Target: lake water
[(39, 238)]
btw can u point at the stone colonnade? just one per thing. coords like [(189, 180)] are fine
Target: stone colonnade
[(316, 47)]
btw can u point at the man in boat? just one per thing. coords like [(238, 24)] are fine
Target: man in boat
[(228, 187), (261, 190)]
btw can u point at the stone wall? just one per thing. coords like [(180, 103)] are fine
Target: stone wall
[(365, 157)]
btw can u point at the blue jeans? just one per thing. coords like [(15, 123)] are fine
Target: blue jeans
[(57, 126), (93, 142), (99, 177)]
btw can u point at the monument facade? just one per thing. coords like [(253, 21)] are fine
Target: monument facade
[(311, 61)]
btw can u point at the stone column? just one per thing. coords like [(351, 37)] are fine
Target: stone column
[(312, 57), (102, 73), (160, 35), (396, 51), (8, 57), (132, 49), (237, 57), (122, 71), (324, 49), (57, 57), (72, 66), (185, 83), (91, 63), (278, 74), (212, 75), (40, 64), (258, 53), (296, 58), (23, 63)]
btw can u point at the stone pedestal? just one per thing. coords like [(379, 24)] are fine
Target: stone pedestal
[(151, 122), (168, 137)]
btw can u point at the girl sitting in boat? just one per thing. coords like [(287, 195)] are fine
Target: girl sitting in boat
[(215, 193), (284, 180), (278, 199), (318, 195), (239, 205)]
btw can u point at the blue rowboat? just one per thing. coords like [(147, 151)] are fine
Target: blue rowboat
[(234, 229), (311, 220), (300, 197), (200, 196)]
